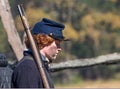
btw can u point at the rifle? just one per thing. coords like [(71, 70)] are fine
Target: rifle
[(36, 53)]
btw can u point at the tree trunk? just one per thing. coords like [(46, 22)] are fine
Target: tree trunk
[(8, 23)]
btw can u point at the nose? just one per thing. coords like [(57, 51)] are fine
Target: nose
[(59, 49), (58, 44)]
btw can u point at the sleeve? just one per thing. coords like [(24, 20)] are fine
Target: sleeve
[(26, 76)]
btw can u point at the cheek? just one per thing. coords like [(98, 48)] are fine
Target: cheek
[(50, 50), (53, 50)]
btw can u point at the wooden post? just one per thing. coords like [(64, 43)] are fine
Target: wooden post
[(9, 26)]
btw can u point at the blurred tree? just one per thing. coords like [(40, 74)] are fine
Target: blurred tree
[(32, 17)]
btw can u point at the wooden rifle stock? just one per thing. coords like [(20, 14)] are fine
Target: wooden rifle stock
[(36, 53)]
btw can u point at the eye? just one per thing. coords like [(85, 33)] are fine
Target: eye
[(58, 43)]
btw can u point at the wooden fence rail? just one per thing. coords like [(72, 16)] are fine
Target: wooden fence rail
[(79, 63)]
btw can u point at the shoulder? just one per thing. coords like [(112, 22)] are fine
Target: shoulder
[(25, 63)]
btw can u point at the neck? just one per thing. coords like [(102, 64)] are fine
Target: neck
[(43, 53)]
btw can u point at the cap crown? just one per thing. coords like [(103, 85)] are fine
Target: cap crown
[(49, 27)]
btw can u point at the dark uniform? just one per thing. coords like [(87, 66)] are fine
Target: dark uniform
[(26, 74)]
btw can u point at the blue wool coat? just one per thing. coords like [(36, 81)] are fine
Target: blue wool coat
[(26, 74)]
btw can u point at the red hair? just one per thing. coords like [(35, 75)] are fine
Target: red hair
[(42, 40)]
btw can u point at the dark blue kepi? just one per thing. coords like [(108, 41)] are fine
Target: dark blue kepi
[(49, 27)]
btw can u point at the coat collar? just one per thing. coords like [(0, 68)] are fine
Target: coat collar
[(30, 53)]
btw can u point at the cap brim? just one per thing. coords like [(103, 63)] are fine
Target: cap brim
[(59, 38), (66, 40)]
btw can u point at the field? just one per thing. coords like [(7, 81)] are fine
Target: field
[(93, 84)]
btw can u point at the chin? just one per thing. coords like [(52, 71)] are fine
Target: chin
[(52, 58)]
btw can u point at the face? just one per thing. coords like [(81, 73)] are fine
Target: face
[(52, 50)]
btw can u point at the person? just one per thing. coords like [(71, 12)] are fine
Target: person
[(48, 37), (5, 72)]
